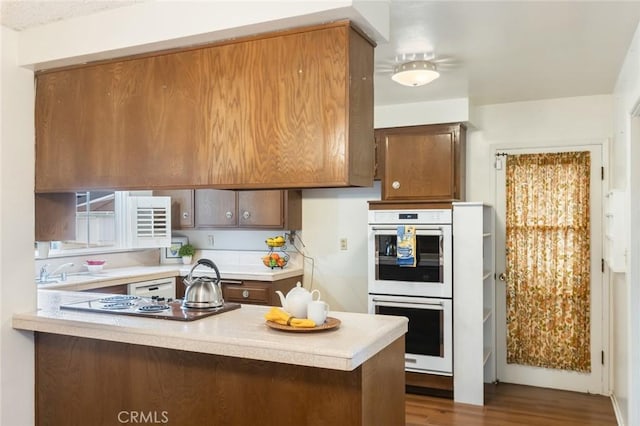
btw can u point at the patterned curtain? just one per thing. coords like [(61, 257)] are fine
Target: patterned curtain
[(548, 260)]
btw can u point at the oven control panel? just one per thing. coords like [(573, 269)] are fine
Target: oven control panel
[(406, 217)]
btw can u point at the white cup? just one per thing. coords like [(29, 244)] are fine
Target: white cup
[(317, 311)]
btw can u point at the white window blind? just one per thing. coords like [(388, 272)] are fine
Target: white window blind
[(149, 222)]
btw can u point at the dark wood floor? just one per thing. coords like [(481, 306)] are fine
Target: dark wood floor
[(507, 404)]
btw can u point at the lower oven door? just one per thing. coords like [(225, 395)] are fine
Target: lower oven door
[(428, 342)]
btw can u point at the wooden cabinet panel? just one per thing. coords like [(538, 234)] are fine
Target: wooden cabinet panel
[(277, 209), (254, 293), (261, 208), (120, 125), (182, 207), (423, 162), (114, 289), (378, 170), (215, 208), (55, 216), (84, 381), (291, 109), (257, 292)]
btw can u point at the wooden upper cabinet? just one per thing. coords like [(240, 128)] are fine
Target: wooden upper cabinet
[(216, 208), (423, 162), (378, 170), (55, 216), (277, 209), (292, 109), (267, 209), (182, 207)]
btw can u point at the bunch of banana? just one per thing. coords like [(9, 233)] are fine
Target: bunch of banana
[(275, 241)]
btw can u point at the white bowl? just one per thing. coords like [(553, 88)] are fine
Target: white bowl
[(93, 269)]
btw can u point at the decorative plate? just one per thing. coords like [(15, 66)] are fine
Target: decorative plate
[(329, 324)]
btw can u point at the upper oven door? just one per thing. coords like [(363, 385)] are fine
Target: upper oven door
[(431, 277)]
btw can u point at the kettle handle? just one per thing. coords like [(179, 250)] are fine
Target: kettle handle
[(205, 262)]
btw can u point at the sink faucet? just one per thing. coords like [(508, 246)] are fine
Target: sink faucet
[(63, 275)]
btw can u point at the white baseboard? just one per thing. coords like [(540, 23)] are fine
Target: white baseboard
[(616, 410)]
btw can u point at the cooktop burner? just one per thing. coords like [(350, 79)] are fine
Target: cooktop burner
[(153, 308), (145, 307), (119, 305), (118, 299)]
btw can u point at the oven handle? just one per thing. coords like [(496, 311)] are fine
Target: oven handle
[(434, 229), (420, 305)]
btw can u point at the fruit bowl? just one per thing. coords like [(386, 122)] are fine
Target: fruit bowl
[(275, 260), (275, 241)]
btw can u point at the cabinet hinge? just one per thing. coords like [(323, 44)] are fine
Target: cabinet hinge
[(602, 357), (602, 173), (602, 264)]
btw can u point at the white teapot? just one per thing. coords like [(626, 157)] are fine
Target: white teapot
[(296, 300)]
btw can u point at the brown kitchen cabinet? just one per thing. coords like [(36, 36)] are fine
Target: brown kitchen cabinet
[(184, 387), (299, 116), (55, 216), (257, 292), (278, 209), (422, 162), (113, 289), (218, 208), (182, 207), (379, 154)]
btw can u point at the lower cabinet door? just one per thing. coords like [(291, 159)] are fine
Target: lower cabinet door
[(241, 292)]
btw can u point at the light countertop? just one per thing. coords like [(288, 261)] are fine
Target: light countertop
[(231, 268), (240, 333)]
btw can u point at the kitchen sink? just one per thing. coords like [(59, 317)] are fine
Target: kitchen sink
[(70, 278), (48, 281)]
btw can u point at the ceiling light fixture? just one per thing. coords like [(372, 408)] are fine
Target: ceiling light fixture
[(415, 73)]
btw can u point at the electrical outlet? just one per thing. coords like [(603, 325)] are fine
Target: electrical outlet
[(210, 240), (343, 243)]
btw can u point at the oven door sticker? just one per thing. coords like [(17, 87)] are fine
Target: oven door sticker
[(406, 247)]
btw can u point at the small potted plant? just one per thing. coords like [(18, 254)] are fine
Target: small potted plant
[(186, 251)]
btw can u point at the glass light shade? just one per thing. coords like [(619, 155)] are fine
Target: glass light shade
[(415, 73)]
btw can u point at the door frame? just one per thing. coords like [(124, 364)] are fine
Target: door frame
[(604, 144)]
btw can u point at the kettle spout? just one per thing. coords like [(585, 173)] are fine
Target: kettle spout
[(283, 301)]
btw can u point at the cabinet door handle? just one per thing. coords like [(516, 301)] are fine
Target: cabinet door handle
[(395, 184), (245, 293), (246, 215), (228, 215), (185, 215)]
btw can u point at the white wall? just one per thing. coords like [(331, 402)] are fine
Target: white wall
[(626, 151), (418, 113), (531, 123), (17, 292), (327, 216)]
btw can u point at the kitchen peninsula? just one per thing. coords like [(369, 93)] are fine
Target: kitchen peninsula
[(227, 369)]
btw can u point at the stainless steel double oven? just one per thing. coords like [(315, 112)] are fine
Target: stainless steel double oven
[(422, 292)]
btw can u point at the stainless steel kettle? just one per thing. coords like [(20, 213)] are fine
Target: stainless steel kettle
[(203, 292)]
